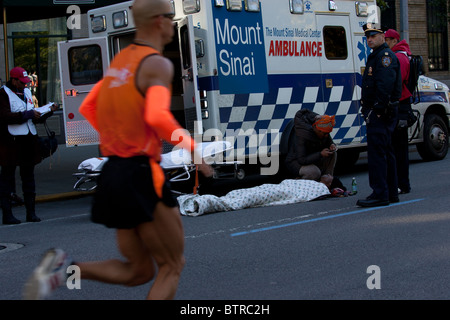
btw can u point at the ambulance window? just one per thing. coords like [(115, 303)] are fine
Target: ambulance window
[(85, 65), (335, 41)]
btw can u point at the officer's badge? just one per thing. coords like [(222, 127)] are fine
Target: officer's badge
[(386, 61)]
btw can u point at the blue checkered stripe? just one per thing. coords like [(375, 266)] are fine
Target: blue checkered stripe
[(263, 112)]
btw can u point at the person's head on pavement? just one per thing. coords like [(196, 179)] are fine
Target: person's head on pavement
[(327, 179)]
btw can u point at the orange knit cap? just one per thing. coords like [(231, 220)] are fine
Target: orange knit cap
[(324, 123)]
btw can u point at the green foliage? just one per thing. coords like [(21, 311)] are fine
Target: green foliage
[(382, 4)]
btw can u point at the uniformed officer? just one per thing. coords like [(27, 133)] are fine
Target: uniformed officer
[(381, 91)]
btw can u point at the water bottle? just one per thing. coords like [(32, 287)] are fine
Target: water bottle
[(354, 186)]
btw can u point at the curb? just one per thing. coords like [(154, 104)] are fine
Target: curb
[(63, 196)]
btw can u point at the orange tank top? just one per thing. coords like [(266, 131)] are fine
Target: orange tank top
[(120, 108)]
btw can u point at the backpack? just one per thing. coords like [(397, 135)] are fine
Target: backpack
[(415, 70)]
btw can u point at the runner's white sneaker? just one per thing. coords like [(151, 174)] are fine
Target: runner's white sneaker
[(48, 275)]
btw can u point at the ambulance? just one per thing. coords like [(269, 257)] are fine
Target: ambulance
[(243, 68)]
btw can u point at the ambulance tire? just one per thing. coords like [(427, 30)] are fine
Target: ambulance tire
[(240, 174), (435, 139)]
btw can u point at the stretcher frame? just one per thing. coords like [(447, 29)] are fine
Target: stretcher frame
[(177, 165)]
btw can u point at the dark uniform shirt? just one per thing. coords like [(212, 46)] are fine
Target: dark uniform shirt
[(382, 82)]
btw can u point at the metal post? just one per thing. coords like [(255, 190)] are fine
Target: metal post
[(5, 40), (404, 23)]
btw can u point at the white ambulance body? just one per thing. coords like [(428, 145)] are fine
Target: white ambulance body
[(244, 68)]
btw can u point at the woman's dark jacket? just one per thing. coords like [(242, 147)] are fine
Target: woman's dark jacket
[(306, 147)]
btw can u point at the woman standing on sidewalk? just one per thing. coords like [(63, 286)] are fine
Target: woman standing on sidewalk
[(18, 143)]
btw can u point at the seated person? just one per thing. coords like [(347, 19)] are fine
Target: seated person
[(313, 152)]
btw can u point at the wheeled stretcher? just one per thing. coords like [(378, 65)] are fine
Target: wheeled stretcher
[(177, 165)]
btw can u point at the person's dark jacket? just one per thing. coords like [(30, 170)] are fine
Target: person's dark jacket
[(17, 150), (306, 146)]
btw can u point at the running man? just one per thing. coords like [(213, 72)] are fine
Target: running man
[(130, 108)]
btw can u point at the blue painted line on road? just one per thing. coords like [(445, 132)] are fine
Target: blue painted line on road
[(237, 234)]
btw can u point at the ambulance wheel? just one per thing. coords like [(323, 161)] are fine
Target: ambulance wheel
[(435, 139), (240, 174)]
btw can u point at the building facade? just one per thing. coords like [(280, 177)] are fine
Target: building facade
[(429, 30)]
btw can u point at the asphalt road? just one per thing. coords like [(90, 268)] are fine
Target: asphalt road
[(326, 249)]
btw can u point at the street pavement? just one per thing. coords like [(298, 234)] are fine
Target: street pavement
[(306, 251)]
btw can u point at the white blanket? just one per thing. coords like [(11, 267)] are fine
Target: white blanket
[(287, 192)]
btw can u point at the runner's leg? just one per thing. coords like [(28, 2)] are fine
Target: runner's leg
[(164, 237), (137, 269)]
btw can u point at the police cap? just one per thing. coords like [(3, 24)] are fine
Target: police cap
[(370, 29)]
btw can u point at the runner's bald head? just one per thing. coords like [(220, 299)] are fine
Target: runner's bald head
[(145, 10)]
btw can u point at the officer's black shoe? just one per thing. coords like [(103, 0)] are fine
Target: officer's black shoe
[(372, 202)]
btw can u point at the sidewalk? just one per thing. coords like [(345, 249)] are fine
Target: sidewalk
[(54, 180)]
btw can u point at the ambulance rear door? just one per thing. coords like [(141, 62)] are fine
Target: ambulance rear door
[(82, 64), (340, 90), (189, 75)]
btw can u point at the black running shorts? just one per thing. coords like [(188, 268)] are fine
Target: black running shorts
[(125, 196)]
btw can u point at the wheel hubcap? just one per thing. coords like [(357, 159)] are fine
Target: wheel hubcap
[(437, 137)]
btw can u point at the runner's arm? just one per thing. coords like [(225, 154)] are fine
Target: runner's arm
[(161, 119), (88, 108)]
